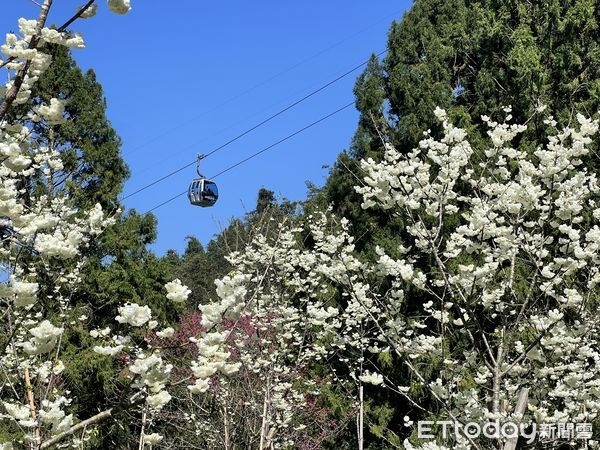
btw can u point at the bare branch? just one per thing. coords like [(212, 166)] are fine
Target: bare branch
[(77, 15), (74, 429)]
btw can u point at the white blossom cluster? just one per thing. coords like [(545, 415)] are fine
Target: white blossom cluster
[(276, 317), (513, 237), (119, 6), (177, 292), (41, 238), (150, 372), (495, 283)]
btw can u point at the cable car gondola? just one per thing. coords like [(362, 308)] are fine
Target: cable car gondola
[(202, 192)]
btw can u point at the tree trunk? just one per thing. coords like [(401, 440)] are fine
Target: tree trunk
[(511, 444), (31, 402), (264, 425), (498, 376), (360, 417), (226, 438), (142, 431)]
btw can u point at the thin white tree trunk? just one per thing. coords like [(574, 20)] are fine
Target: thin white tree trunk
[(360, 417), (74, 429), (225, 428), (511, 443), (264, 425), (141, 444), (498, 375)]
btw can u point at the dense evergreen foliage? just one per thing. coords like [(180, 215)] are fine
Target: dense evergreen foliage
[(470, 58), (94, 171)]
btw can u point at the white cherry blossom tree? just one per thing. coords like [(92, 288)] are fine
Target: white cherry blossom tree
[(494, 289), (41, 238), (490, 304)]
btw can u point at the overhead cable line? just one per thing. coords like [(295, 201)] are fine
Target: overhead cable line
[(254, 155), (266, 81), (249, 130)]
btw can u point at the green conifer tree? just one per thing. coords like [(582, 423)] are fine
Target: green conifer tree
[(470, 57), (119, 267)]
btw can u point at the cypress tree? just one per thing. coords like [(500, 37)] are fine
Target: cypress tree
[(94, 171), (470, 57)]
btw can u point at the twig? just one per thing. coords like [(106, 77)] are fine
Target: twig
[(77, 15), (29, 390), (74, 429)]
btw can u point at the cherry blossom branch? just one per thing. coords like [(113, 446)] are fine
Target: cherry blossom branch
[(74, 429), (62, 28), (77, 15), (11, 95)]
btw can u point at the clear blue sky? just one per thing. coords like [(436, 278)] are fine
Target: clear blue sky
[(182, 77)]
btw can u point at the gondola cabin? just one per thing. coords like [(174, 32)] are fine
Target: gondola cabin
[(203, 192)]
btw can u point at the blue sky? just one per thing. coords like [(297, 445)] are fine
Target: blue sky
[(184, 77)]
